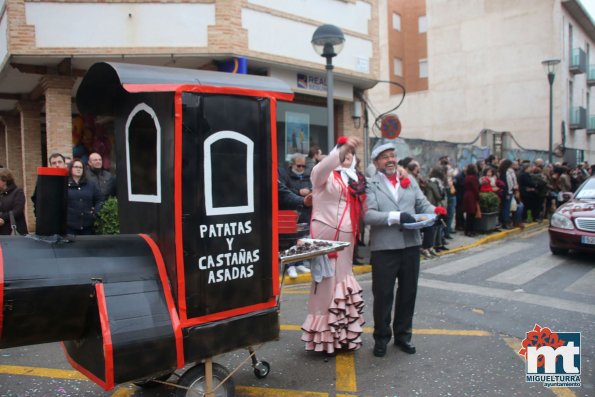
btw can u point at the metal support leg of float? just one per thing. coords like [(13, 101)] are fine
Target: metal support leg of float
[(209, 377)]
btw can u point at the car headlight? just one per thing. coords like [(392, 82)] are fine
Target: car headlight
[(561, 221)]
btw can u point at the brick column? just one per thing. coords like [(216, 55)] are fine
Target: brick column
[(227, 35), (14, 152), (3, 145), (31, 149), (58, 113)]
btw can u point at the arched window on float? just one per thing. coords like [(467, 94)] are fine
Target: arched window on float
[(143, 155), (229, 173)]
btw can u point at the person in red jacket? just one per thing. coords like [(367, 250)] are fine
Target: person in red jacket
[(471, 198)]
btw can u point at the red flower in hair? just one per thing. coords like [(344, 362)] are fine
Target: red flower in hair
[(405, 182), (342, 140)]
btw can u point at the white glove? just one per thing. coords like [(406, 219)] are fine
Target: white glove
[(394, 217)]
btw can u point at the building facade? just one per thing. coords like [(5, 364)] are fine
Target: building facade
[(46, 47), (473, 73)]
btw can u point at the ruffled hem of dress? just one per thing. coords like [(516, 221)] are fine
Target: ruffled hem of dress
[(340, 328)]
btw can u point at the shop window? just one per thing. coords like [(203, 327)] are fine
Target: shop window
[(229, 164), (299, 127), (143, 155)]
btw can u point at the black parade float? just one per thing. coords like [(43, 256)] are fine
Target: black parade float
[(195, 270)]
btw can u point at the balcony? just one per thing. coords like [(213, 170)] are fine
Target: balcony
[(591, 125), (591, 76), (578, 61), (578, 118)]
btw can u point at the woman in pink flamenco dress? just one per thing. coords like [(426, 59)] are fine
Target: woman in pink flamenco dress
[(334, 321)]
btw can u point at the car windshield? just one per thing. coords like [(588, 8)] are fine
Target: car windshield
[(587, 191)]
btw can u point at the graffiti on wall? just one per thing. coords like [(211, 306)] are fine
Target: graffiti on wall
[(427, 153)]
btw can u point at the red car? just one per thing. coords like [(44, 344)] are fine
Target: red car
[(572, 226)]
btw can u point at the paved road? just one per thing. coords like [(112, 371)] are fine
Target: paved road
[(474, 307)]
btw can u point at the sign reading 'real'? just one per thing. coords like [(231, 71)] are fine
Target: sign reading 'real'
[(227, 202), (308, 82)]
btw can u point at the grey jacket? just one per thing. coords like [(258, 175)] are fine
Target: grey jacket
[(380, 201)]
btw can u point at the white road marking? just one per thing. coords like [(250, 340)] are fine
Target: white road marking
[(527, 271), (584, 285), (475, 260), (505, 294)]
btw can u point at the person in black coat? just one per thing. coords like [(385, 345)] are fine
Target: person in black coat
[(84, 201), (298, 181), (103, 179), (12, 200)]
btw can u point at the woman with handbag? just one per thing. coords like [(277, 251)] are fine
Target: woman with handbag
[(12, 205)]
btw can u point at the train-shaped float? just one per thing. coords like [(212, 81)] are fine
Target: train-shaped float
[(195, 272)]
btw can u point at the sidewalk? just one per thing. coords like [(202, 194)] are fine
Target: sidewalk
[(459, 243)]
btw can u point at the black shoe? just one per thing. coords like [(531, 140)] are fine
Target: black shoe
[(448, 236), (379, 349), (407, 347)]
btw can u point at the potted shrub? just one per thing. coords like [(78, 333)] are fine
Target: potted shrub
[(107, 221), (489, 204)]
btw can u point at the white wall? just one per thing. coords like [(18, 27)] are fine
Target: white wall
[(577, 139), (485, 72), (275, 35), (120, 24), (346, 15)]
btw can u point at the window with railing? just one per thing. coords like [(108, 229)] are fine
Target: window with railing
[(578, 61), (578, 117), (591, 73), (591, 124)]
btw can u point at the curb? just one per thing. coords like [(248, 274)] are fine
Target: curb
[(363, 269)]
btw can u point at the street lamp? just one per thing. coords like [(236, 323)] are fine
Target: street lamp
[(550, 66), (328, 42)]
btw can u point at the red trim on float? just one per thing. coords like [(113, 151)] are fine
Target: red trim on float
[(175, 320), (208, 89), (179, 241), (82, 369), (180, 273), (133, 88), (52, 171), (1, 290), (275, 198), (108, 349), (230, 313), (108, 354)]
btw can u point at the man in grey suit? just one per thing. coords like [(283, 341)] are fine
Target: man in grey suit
[(391, 200)]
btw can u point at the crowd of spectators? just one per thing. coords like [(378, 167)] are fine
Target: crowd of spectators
[(526, 190), (88, 186)]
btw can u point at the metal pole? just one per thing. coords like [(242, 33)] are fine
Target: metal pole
[(550, 78), (329, 103), (366, 140)]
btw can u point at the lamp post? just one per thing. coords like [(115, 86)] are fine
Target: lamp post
[(328, 42), (550, 67)]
